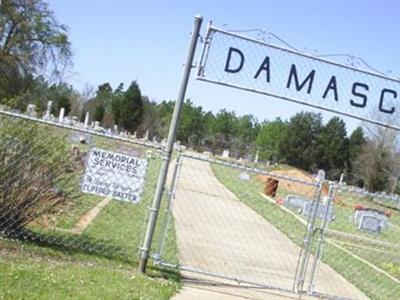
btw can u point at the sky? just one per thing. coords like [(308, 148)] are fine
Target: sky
[(147, 41)]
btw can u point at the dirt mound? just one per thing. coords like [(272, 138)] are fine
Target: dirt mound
[(290, 184)]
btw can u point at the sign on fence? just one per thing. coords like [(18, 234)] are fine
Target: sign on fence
[(115, 175), (233, 60)]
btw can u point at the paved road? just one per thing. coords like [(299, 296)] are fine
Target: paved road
[(218, 233)]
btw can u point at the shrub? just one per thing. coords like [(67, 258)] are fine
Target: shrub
[(35, 171)]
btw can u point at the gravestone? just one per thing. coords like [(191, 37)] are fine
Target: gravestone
[(225, 154), (256, 157), (31, 110), (370, 223), (80, 137), (149, 154), (244, 176), (309, 209), (86, 124), (61, 115), (297, 202), (369, 217), (48, 110)]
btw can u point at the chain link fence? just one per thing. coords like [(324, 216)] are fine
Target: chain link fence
[(280, 229), (74, 189), (363, 242)]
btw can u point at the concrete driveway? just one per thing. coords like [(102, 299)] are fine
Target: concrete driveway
[(219, 234)]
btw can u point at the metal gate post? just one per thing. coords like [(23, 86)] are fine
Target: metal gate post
[(145, 249), (321, 238), (171, 196), (306, 250)]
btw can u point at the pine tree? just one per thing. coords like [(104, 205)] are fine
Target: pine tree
[(128, 108)]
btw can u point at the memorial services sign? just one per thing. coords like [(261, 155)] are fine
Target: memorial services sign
[(233, 60), (115, 175)]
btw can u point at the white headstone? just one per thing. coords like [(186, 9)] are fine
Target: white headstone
[(96, 124), (341, 179), (48, 110), (225, 154), (61, 116), (31, 110), (244, 176), (256, 158), (146, 136), (87, 119), (321, 175)]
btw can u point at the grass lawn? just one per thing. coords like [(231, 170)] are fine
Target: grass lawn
[(373, 283), (29, 274)]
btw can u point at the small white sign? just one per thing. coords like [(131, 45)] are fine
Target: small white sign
[(115, 175)]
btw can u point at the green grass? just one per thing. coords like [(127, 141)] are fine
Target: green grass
[(374, 284), (100, 263), (41, 277)]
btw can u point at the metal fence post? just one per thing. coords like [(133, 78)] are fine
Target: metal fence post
[(145, 249), (305, 251), (171, 196), (321, 238)]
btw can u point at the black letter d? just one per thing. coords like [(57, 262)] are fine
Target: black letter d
[(228, 60)]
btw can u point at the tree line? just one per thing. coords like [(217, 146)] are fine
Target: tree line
[(36, 59)]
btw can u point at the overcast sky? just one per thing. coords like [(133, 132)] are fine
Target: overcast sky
[(147, 41)]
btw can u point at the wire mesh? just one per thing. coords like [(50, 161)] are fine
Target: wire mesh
[(237, 222), (76, 191), (237, 61), (223, 218), (366, 253)]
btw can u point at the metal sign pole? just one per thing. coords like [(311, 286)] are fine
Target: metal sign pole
[(145, 249)]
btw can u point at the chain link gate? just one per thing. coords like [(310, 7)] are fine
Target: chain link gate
[(74, 188), (228, 228), (276, 230)]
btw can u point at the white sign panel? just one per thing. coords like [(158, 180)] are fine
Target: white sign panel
[(115, 175), (233, 60)]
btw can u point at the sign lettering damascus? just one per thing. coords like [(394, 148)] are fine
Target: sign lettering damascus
[(233, 60)]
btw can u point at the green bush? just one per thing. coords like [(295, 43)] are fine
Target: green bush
[(35, 172)]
